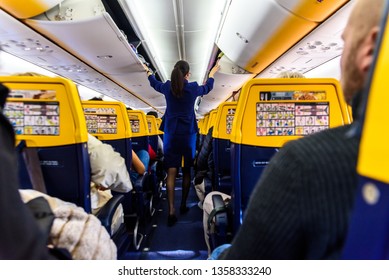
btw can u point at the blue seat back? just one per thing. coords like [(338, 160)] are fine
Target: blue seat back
[(108, 121), (55, 126), (271, 112), (221, 146), (139, 130), (154, 132)]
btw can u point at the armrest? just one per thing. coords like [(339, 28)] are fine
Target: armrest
[(219, 211), (105, 215), (217, 201)]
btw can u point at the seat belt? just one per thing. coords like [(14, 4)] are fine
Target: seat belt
[(31, 159)]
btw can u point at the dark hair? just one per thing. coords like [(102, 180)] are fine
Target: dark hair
[(152, 113), (181, 69), (96, 99)]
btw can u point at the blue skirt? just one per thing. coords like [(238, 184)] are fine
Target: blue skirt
[(179, 150)]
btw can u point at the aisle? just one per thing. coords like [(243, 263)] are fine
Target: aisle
[(184, 240)]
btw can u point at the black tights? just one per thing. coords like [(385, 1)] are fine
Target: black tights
[(170, 185)]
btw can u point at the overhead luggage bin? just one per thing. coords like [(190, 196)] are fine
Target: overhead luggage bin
[(316, 11), (270, 31), (22, 10), (98, 42)]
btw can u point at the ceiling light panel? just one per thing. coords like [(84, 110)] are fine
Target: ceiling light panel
[(197, 23)]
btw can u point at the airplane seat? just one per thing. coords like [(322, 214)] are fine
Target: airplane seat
[(108, 121), (221, 218), (368, 231), (209, 181), (221, 146), (203, 130), (53, 130), (160, 129), (269, 113), (157, 173), (140, 141)]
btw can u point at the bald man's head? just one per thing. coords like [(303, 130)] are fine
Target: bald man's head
[(359, 38)]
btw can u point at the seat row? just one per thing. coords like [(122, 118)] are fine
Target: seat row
[(50, 119), (248, 132)]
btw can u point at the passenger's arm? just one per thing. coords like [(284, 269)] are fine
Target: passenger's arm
[(137, 164)]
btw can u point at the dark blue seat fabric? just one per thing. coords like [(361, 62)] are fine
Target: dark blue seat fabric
[(248, 163), (222, 160), (66, 172)]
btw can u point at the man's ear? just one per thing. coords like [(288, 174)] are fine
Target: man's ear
[(366, 52)]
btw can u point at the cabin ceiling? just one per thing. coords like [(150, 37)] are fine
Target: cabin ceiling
[(102, 44)]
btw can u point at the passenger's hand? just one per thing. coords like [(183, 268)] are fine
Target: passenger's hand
[(214, 70), (101, 188)]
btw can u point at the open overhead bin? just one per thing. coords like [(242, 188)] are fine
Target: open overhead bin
[(98, 42), (89, 49), (312, 10), (255, 33), (23, 42), (228, 80)]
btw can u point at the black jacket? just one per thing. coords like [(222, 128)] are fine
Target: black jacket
[(20, 236)]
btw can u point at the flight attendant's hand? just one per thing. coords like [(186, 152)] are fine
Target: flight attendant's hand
[(214, 70), (148, 71)]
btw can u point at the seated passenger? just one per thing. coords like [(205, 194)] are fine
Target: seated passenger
[(75, 230), (301, 206), (204, 166), (15, 218), (139, 162), (208, 205), (108, 172)]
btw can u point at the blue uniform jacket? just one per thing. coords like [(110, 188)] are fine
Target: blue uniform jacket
[(179, 116)]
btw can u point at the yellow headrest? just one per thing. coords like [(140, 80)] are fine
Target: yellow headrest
[(138, 123), (45, 111), (107, 120), (271, 112), (224, 118)]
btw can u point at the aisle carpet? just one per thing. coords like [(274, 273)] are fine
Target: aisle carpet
[(184, 240)]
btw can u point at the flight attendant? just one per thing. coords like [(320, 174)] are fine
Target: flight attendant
[(180, 127)]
